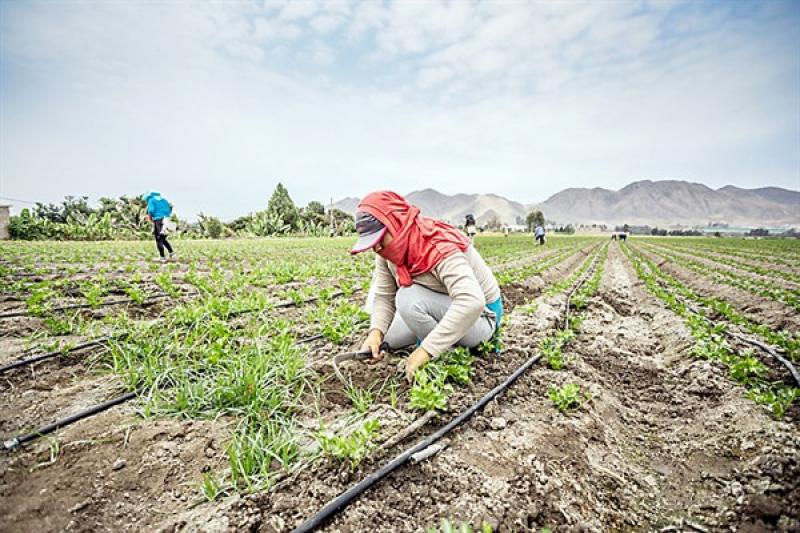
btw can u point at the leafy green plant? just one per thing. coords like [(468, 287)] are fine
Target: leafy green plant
[(40, 300), (164, 281), (353, 447), (493, 345), (432, 383), (135, 293), (566, 397), (429, 392)]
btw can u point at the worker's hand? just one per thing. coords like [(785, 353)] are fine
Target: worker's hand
[(415, 361), (373, 344)]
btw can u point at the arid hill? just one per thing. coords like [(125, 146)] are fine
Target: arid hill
[(661, 203)]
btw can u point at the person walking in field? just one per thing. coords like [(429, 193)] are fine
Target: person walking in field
[(470, 227), (538, 234), (159, 211), (431, 287)]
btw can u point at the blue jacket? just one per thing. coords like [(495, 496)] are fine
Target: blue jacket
[(157, 207)]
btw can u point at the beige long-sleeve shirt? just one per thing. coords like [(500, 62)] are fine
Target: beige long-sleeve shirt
[(463, 276)]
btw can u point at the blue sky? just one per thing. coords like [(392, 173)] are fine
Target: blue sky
[(214, 103)]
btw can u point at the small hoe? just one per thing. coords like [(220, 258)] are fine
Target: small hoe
[(352, 356)]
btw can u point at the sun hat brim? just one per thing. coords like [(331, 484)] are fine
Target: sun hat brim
[(368, 241)]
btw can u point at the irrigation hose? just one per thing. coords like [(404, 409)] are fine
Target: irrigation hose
[(50, 355), (344, 499), (742, 338), (764, 347), (102, 340), (16, 442), (147, 301)]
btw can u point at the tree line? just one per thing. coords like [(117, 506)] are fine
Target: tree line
[(126, 218)]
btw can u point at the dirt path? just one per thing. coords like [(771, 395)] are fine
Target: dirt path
[(663, 440)]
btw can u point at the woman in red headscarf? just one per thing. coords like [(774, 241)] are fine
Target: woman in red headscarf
[(431, 287)]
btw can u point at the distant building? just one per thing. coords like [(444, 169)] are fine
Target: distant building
[(5, 218)]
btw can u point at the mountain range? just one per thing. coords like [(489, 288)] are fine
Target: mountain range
[(656, 203)]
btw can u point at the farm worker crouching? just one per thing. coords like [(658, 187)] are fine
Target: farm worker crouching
[(431, 287), (159, 210)]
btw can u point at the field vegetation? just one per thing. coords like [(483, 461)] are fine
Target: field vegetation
[(225, 355)]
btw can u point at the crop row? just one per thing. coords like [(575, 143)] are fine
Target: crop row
[(779, 252), (723, 259), (710, 337), (759, 287)]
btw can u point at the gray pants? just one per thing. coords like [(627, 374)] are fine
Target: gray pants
[(419, 310)]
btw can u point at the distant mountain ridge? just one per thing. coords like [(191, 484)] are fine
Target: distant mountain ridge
[(664, 203)]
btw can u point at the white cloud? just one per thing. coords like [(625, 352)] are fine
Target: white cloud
[(327, 23), (299, 9), (428, 77), (218, 102)]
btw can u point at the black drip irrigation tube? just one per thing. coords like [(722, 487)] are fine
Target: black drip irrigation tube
[(100, 341), (341, 501), (766, 348), (147, 301), (50, 355), (16, 442), (344, 499)]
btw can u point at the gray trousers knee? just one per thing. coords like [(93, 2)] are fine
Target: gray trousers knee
[(419, 310)]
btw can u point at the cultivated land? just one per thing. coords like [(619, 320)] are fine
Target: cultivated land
[(664, 401)]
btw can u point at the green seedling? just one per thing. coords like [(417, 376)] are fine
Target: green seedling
[(164, 281), (40, 300), (94, 293), (361, 399), (354, 447), (567, 397), (135, 293), (429, 392), (212, 487)]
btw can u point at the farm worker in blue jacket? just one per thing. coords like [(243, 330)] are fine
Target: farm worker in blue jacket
[(159, 210), (538, 234)]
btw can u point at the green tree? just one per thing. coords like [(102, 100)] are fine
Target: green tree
[(281, 204), (315, 207), (211, 227), (534, 218)]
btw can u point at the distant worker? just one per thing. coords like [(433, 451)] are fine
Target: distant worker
[(470, 227), (159, 211), (505, 231), (538, 234), (623, 236), (432, 288), (614, 236)]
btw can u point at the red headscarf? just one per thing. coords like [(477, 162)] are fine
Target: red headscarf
[(419, 243)]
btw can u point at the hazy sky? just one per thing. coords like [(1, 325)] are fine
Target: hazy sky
[(214, 103)]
